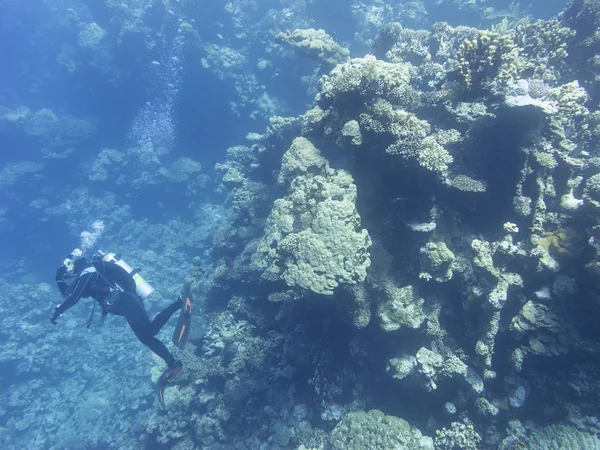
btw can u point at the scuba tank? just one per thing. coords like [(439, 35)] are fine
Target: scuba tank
[(142, 288)]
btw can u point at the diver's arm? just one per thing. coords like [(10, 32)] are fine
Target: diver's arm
[(60, 280), (73, 296)]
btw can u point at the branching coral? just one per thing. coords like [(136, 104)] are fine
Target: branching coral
[(483, 59), (542, 47), (429, 152)]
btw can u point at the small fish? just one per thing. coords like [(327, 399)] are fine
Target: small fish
[(155, 63), (219, 36)]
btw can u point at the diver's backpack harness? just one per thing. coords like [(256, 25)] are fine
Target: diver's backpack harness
[(120, 276)]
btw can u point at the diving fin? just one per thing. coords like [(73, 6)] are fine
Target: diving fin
[(164, 380), (161, 392), (182, 330)]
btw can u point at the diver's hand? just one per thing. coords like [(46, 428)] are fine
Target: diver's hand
[(60, 272), (55, 315)]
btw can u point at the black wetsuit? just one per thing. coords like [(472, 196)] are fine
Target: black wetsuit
[(90, 283)]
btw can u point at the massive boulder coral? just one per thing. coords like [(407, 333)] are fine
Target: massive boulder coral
[(312, 237), (377, 431), (364, 77), (316, 44)]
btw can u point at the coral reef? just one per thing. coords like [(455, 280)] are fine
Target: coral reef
[(413, 262), (467, 155)]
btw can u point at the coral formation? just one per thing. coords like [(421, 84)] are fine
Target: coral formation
[(312, 236), (373, 429), (457, 436), (424, 240), (399, 307), (316, 44)]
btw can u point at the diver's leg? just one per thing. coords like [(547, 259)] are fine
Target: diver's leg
[(162, 317), (157, 347), (137, 318)]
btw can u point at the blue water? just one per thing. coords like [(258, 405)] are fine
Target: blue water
[(120, 130)]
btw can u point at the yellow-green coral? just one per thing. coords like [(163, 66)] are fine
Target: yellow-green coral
[(480, 60)]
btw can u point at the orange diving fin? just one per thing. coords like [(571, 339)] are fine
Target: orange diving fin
[(182, 330), (166, 378)]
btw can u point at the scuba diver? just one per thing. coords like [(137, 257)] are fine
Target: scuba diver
[(120, 290)]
